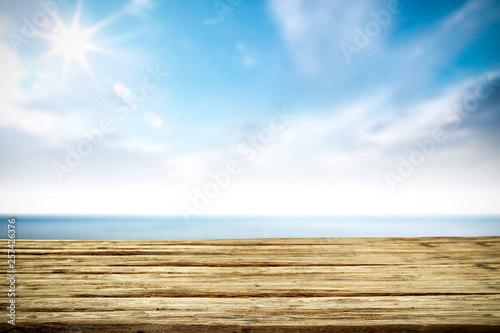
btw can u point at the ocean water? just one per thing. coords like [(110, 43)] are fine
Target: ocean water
[(144, 228)]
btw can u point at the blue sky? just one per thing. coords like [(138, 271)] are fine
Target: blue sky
[(232, 66)]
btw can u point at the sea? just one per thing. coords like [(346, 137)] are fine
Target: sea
[(238, 227)]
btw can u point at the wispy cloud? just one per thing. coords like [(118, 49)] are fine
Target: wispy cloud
[(139, 7), (247, 56), (136, 146), (312, 30)]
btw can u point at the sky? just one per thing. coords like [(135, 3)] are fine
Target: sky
[(277, 107)]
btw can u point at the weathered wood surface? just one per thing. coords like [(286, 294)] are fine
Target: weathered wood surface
[(264, 285)]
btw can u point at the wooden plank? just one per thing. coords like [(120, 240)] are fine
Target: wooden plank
[(257, 285)]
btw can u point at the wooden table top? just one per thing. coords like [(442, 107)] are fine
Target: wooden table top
[(257, 285)]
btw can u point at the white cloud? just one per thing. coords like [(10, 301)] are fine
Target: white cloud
[(212, 21), (153, 120), (247, 55), (139, 7), (12, 72), (313, 29), (137, 145), (51, 127), (326, 162), (438, 43), (352, 146), (195, 166), (354, 202)]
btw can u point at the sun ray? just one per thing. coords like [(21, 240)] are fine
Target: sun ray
[(71, 42), (78, 13), (98, 26)]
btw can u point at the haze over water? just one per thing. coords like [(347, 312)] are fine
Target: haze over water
[(144, 228)]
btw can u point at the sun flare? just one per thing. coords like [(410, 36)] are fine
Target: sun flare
[(71, 43)]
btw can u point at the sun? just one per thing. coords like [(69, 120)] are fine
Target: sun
[(72, 43)]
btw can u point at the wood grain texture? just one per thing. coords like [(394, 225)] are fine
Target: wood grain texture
[(258, 285)]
